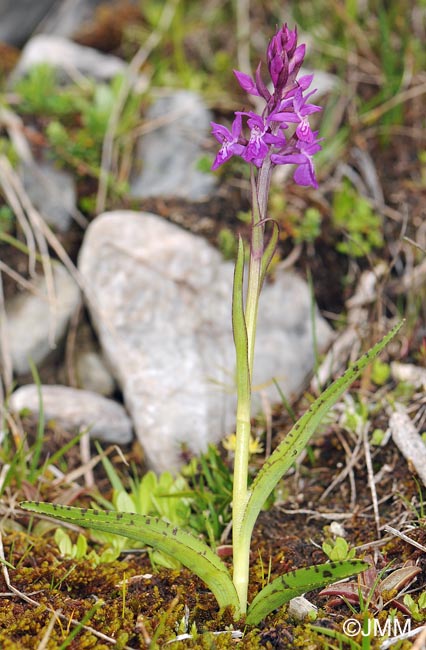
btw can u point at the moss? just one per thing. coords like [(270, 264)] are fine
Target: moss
[(140, 603)]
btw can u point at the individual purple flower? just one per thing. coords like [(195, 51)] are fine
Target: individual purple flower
[(300, 106), (229, 140), (294, 109), (256, 148), (302, 157), (260, 140)]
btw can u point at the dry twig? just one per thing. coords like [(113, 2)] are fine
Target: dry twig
[(370, 475)]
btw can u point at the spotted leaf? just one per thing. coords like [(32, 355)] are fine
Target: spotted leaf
[(296, 440), (154, 532), (298, 582)]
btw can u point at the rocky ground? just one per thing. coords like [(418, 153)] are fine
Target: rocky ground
[(123, 304)]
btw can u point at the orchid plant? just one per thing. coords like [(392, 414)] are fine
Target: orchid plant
[(280, 135)]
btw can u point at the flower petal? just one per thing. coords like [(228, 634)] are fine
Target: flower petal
[(246, 83)]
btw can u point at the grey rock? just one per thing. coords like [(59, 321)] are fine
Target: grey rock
[(67, 57), (19, 19), (67, 17), (300, 608), (33, 324), (52, 192), (169, 154), (324, 82), (162, 307), (93, 374), (77, 409)]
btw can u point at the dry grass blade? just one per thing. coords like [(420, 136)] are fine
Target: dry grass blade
[(404, 96), (420, 642), (29, 218), (5, 356), (411, 281), (243, 36), (89, 478), (408, 440), (25, 284), (370, 475), (16, 129), (397, 533), (85, 467), (352, 459), (129, 80), (6, 171), (45, 640), (348, 344)]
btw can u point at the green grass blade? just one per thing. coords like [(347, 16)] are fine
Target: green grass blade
[(38, 444), (154, 532), (113, 477), (287, 452), (54, 458), (343, 639), (293, 584), (14, 470)]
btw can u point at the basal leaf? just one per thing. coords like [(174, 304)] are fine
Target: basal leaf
[(298, 582), (154, 532), (296, 440)]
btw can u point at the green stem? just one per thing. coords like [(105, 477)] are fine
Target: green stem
[(240, 495), (260, 191), (241, 542), (244, 326)]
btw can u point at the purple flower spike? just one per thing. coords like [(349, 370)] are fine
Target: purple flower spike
[(280, 50), (286, 104)]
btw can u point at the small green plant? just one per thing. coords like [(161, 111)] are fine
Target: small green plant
[(302, 227), (268, 144), (22, 462), (417, 608), (210, 489), (422, 160), (67, 548), (7, 219), (76, 119), (80, 550), (227, 244), (163, 496), (307, 228), (353, 215), (380, 372), (338, 550), (39, 93)]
